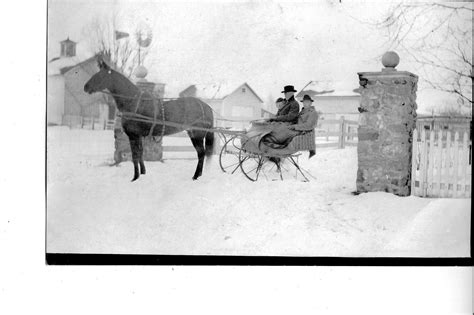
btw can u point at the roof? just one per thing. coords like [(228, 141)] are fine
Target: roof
[(66, 69), (67, 41), (56, 64), (326, 89), (337, 108), (246, 84), (215, 90), (212, 91), (61, 65)]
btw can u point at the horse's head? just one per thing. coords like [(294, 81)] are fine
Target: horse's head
[(101, 80)]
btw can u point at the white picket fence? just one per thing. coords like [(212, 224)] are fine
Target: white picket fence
[(441, 165)]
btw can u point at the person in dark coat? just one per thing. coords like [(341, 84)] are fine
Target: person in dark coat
[(290, 109), (280, 102)]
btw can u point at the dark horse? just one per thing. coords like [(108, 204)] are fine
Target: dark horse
[(188, 111)]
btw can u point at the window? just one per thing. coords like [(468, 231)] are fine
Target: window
[(243, 90)]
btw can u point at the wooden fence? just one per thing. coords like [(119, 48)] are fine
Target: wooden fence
[(441, 165), (94, 123), (345, 136)]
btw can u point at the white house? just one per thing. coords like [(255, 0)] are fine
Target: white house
[(238, 105)]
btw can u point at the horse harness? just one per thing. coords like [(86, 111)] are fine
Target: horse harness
[(139, 99), (155, 110), (202, 119)]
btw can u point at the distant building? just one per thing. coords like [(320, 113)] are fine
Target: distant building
[(239, 104), (67, 103), (267, 114), (333, 104)]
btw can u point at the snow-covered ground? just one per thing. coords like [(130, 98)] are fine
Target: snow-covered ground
[(94, 208)]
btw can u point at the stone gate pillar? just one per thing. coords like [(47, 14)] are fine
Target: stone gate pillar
[(152, 147), (387, 119)]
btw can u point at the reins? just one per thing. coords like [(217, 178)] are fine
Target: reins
[(142, 118), (171, 99)]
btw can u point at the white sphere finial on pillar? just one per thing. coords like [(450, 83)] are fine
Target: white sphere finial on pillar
[(390, 60), (141, 72)]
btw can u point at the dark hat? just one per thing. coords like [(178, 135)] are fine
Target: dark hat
[(306, 97), (280, 99), (288, 88)]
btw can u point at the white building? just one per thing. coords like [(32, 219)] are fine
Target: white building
[(233, 107), (333, 103)]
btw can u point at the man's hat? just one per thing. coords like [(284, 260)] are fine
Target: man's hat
[(306, 97), (280, 99), (288, 88)]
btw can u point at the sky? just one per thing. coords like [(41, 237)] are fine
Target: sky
[(267, 44)]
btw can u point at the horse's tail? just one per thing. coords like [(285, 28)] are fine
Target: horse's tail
[(209, 145)]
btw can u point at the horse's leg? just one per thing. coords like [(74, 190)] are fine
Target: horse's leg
[(198, 144), (135, 155), (140, 155)]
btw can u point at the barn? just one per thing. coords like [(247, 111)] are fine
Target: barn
[(238, 105), (67, 103)]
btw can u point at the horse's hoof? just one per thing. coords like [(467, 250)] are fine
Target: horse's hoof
[(195, 178), (134, 179)]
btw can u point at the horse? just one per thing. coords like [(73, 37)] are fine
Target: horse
[(181, 114)]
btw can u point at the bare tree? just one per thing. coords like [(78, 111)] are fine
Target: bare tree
[(438, 38), (123, 53)]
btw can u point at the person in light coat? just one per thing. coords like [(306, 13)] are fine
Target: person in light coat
[(307, 119)]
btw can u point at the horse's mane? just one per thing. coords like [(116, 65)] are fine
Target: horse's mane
[(124, 81)]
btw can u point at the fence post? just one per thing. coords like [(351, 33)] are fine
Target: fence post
[(342, 134), (468, 179), (456, 178), (447, 165), (439, 162), (414, 164), (423, 162), (430, 159)]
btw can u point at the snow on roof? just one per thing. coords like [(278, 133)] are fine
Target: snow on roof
[(326, 88), (339, 93), (214, 90), (56, 64)]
